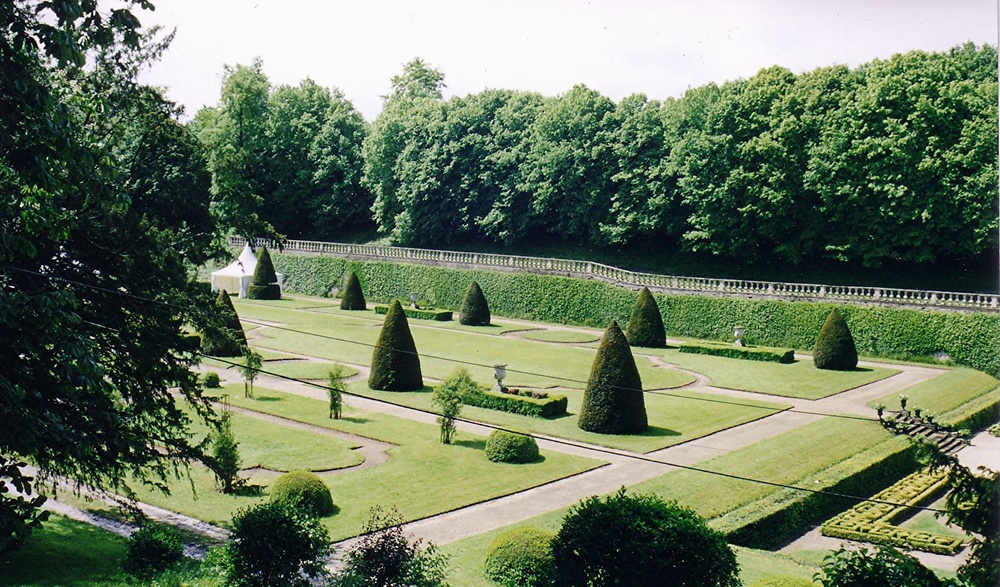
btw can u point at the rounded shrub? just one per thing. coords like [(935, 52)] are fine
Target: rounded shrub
[(303, 490), (353, 298), (521, 557), (264, 285), (475, 309), (834, 347), (612, 401), (395, 362), (212, 380), (511, 447), (153, 549), (645, 325)]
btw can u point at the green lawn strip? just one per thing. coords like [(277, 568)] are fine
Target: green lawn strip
[(674, 417), (496, 327), (530, 363), (947, 391), (798, 457), (423, 477), (65, 552), (302, 369), (568, 336), (798, 380), (467, 556)]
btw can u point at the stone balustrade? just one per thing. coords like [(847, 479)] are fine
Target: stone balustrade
[(885, 296)]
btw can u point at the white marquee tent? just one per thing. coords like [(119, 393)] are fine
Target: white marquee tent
[(236, 277)]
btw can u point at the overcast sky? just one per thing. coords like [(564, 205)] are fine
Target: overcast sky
[(618, 47)]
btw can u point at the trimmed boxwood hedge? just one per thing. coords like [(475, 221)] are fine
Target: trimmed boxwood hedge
[(521, 557), (511, 447), (740, 352), (303, 490), (552, 406), (419, 313), (969, 338)]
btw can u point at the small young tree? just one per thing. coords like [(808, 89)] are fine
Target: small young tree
[(475, 309), (353, 298), (883, 567), (264, 285), (225, 452), (613, 402), (834, 347), (384, 557), (276, 546), (336, 386), (448, 398), (395, 362), (227, 339), (252, 362), (645, 325), (640, 540)]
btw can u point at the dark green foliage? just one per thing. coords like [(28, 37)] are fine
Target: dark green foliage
[(637, 540), (740, 352), (395, 362), (968, 337), (152, 549), (264, 285), (384, 557), (882, 567), (19, 514), (303, 490), (353, 298), (276, 546), (834, 348), (227, 340), (612, 401), (475, 309), (552, 406), (211, 380), (645, 325), (420, 313), (521, 557), (511, 447), (225, 454)]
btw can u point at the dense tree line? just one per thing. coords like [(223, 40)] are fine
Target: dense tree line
[(895, 160)]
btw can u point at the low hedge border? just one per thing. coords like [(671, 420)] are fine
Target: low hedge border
[(552, 406), (974, 415), (419, 313), (750, 353), (872, 521), (771, 521)]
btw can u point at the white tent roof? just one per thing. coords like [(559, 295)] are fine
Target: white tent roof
[(236, 277)]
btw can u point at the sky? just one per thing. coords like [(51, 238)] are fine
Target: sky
[(618, 47)]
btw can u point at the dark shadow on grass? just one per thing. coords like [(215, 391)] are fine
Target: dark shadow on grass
[(659, 432), (473, 444), (268, 398), (355, 419)]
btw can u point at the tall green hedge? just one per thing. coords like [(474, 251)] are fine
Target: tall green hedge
[(968, 338)]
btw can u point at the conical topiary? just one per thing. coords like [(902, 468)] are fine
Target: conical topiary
[(834, 347), (353, 298), (264, 285), (475, 309), (229, 340), (645, 325), (613, 402), (395, 362)]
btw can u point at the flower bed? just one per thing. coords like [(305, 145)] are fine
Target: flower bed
[(420, 313)]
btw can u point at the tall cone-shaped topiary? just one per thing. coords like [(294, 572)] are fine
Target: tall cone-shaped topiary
[(353, 298), (834, 347), (229, 340), (475, 309), (645, 325), (395, 362), (265, 282), (613, 402)]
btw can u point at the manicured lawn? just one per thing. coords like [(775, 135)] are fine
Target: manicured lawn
[(422, 478), (574, 336), (674, 417), (944, 392), (303, 369), (530, 363), (795, 457), (799, 379), (66, 553)]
